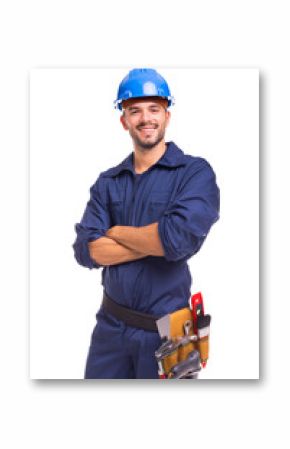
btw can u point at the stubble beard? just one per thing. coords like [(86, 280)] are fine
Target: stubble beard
[(143, 145)]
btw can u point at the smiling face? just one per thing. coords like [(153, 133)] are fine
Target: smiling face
[(146, 120)]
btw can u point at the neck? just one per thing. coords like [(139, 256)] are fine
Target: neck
[(144, 159)]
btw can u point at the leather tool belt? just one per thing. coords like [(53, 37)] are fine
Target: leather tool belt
[(129, 316)]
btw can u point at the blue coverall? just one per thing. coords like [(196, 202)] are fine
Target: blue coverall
[(180, 193)]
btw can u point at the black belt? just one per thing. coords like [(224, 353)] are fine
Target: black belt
[(129, 316)]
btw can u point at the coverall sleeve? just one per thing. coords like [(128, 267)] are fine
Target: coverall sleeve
[(185, 224), (93, 225)]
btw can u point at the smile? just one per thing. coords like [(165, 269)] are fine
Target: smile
[(147, 128)]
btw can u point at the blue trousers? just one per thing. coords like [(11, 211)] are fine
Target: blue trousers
[(118, 351)]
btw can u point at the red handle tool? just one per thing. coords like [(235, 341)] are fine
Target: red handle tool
[(197, 308)]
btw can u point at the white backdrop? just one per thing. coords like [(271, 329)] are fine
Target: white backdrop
[(74, 135), (83, 34)]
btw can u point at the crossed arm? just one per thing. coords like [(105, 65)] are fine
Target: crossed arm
[(126, 243)]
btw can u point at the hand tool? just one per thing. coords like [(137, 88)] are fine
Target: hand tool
[(203, 325), (163, 326), (187, 340), (188, 367), (166, 355), (197, 308)]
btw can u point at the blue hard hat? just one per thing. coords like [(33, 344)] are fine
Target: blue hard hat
[(143, 83)]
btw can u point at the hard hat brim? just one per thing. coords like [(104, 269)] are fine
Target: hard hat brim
[(161, 100)]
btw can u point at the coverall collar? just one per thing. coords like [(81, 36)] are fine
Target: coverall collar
[(173, 157)]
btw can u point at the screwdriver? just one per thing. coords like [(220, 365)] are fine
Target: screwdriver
[(203, 323)]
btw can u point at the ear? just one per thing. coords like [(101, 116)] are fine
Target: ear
[(123, 121), (168, 117)]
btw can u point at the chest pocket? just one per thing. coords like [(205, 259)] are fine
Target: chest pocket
[(158, 205), (117, 212)]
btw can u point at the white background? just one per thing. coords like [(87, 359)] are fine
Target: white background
[(74, 135), (210, 34)]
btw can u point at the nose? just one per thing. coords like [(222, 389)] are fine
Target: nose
[(145, 116)]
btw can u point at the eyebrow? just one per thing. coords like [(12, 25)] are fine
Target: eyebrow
[(154, 105)]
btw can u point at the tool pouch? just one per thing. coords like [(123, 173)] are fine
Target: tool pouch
[(176, 326), (185, 335)]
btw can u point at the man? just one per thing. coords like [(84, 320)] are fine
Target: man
[(145, 218)]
